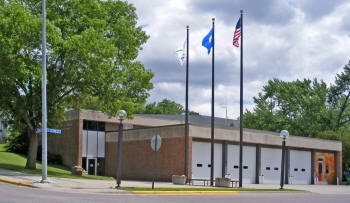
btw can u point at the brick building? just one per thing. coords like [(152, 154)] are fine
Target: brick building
[(90, 139)]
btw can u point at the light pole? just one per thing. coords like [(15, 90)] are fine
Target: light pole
[(121, 115), (284, 134)]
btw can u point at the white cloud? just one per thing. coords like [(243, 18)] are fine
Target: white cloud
[(301, 44)]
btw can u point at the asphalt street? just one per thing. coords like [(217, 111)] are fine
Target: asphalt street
[(14, 193)]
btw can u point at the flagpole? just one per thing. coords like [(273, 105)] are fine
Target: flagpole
[(241, 110), (212, 113), (44, 110), (186, 113)]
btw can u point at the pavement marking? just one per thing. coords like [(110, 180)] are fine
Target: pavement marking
[(16, 183), (185, 192)]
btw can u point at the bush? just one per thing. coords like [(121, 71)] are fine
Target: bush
[(51, 157), (17, 143)]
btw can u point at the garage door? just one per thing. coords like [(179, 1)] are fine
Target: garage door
[(300, 167), (271, 165), (249, 163), (201, 160)]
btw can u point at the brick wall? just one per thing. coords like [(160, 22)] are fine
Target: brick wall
[(67, 144), (138, 157), (112, 126)]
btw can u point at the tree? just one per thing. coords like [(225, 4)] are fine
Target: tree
[(298, 106), (306, 108), (165, 106), (339, 98), (92, 46)]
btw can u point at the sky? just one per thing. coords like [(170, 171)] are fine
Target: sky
[(284, 39)]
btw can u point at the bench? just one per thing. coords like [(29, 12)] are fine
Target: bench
[(234, 181), (207, 181)]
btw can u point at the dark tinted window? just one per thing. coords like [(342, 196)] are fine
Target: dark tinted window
[(101, 126), (276, 168), (85, 124), (199, 165), (268, 168), (209, 165), (295, 169), (245, 167), (93, 125), (235, 166), (303, 169)]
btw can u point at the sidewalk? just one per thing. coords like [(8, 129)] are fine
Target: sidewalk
[(108, 187)]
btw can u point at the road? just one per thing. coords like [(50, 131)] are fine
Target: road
[(13, 193)]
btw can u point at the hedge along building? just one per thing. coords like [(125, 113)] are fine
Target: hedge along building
[(308, 159)]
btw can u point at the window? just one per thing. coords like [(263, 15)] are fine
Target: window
[(101, 126), (85, 124), (276, 168), (235, 166), (267, 168), (295, 169), (93, 125), (303, 169), (327, 168), (199, 165), (245, 167), (209, 165)]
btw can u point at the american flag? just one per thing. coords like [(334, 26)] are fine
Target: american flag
[(237, 33)]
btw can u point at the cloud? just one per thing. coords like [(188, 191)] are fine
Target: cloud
[(316, 9), (283, 39), (264, 12)]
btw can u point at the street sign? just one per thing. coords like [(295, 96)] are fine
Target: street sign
[(156, 142), (49, 130)]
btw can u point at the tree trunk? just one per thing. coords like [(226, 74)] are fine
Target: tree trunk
[(32, 150)]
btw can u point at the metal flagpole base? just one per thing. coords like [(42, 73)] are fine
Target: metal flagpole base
[(44, 181)]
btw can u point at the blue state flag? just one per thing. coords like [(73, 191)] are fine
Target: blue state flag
[(208, 40)]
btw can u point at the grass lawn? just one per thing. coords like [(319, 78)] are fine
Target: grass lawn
[(208, 189), (12, 161)]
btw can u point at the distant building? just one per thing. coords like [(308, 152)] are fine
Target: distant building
[(3, 132), (90, 139)]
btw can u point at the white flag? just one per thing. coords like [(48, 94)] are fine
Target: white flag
[(181, 53)]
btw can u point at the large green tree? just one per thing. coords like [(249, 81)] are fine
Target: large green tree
[(165, 106), (306, 108), (92, 46), (298, 106), (339, 99)]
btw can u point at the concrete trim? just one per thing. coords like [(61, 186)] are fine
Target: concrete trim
[(264, 138), (224, 159), (257, 164), (147, 133)]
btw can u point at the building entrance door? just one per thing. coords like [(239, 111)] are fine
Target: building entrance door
[(320, 171), (91, 166)]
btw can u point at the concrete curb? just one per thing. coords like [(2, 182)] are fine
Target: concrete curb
[(16, 183), (184, 192)]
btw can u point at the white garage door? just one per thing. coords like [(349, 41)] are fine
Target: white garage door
[(300, 167), (271, 165), (201, 160), (249, 163)]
